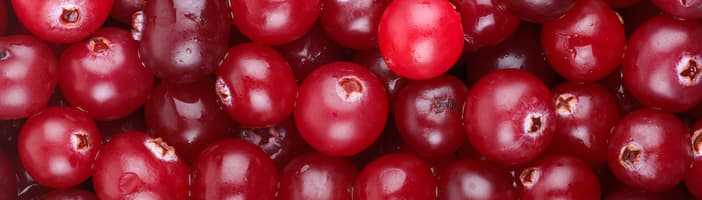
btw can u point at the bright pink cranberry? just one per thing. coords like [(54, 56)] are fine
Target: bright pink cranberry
[(395, 176), (275, 22), (62, 21)]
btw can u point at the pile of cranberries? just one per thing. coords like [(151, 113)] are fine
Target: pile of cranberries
[(350, 99)]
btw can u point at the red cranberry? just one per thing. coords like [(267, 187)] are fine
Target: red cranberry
[(312, 50), (57, 147), (187, 116), (123, 10), (353, 24), (637, 14), (420, 39), (539, 11), (316, 176), (473, 179), (135, 166), (688, 9), (509, 116), (132, 122), (693, 178), (485, 23), (233, 168), (4, 18), (256, 85), (69, 194), (62, 21), (341, 109), (373, 60), (558, 177), (395, 176), (104, 76), (181, 41), (622, 3), (615, 83), (281, 142), (28, 76), (275, 22), (649, 149), (8, 184), (662, 67)]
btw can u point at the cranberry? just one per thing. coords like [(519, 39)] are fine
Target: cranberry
[(132, 122), (256, 85), (509, 116), (187, 116), (428, 115), (104, 76), (233, 168), (123, 10), (615, 83), (649, 149), (373, 60), (57, 147), (281, 142), (538, 11), (69, 194), (275, 22), (135, 166), (181, 41), (688, 9), (62, 21), (474, 179), (662, 64), (586, 113), (8, 184), (28, 76), (312, 50), (420, 39), (622, 3), (558, 177), (315, 176), (485, 23), (693, 178), (637, 14), (395, 176), (4, 18), (341, 109), (587, 43), (353, 24)]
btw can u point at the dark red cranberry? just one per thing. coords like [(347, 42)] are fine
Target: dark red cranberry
[(282, 142), (649, 149), (187, 116), (522, 51), (586, 113), (316, 176), (429, 113), (474, 179), (373, 60), (233, 168), (693, 178), (62, 21), (663, 64), (341, 109), (395, 176), (104, 75), (4, 18), (420, 39), (388, 142), (275, 22), (688, 9), (558, 177), (256, 85), (509, 116), (132, 122), (637, 14), (28, 76), (123, 10), (69, 194), (353, 24), (615, 84), (183, 42), (629, 193), (135, 166), (8, 182), (485, 23), (538, 11), (622, 3), (312, 50)]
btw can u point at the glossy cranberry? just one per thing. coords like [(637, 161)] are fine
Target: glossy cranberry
[(341, 109), (485, 23), (187, 116), (428, 115), (353, 24), (312, 50), (474, 179), (281, 142), (693, 178), (69, 194), (8, 184), (373, 60), (256, 85), (622, 3), (233, 168), (522, 51), (104, 75), (588, 53), (509, 116), (123, 10), (57, 147), (181, 41), (275, 22), (316, 176), (420, 39), (395, 176), (538, 11), (388, 142), (649, 149), (132, 122), (586, 113), (663, 63), (62, 21), (688, 9), (28, 76), (558, 177)]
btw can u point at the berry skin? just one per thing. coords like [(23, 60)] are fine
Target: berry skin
[(62, 21), (395, 176)]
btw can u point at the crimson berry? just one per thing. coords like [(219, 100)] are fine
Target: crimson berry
[(4, 18), (69, 194), (558, 177), (540, 11), (373, 60), (341, 109), (485, 23), (275, 22), (622, 3), (124, 10), (135, 166), (62, 21), (693, 178), (353, 24), (420, 39), (233, 168), (282, 142), (8, 184), (312, 50), (395, 176), (316, 176), (683, 9), (475, 179)]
